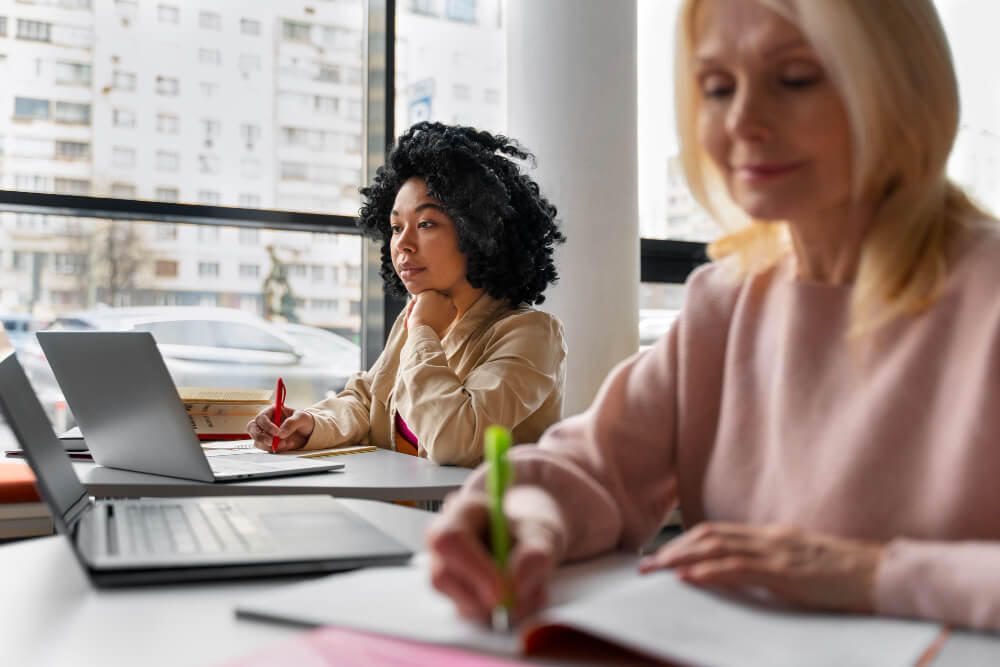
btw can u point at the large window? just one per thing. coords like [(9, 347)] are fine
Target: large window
[(172, 162), (451, 63), (668, 213)]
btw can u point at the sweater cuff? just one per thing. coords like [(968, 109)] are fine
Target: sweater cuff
[(948, 582), (421, 340)]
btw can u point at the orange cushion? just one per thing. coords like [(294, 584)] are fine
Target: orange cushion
[(17, 484)]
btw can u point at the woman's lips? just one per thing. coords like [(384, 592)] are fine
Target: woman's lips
[(765, 170), (409, 271)]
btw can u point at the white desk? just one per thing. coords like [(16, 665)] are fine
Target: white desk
[(379, 475), (50, 614)]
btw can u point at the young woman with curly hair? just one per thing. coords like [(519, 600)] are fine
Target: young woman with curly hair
[(470, 237)]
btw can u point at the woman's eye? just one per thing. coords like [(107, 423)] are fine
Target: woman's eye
[(426, 224), (395, 229), (800, 82), (716, 86)]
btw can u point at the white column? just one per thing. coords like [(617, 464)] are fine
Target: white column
[(572, 101)]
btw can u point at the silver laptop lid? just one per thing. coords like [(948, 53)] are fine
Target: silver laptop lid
[(125, 401), (57, 483)]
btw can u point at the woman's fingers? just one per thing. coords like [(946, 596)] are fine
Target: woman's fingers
[(455, 540)]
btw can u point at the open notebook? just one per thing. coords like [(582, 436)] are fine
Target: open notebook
[(654, 615)]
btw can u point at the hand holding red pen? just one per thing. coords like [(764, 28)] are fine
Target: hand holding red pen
[(295, 426)]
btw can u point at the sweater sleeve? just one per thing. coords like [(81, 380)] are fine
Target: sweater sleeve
[(610, 471), (345, 418), (950, 582), (518, 372)]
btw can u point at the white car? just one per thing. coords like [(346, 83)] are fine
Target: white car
[(224, 347)]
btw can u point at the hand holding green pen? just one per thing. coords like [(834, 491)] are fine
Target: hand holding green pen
[(498, 478)]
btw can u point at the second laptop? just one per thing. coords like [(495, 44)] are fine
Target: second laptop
[(132, 417)]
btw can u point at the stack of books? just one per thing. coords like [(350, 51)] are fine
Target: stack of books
[(222, 414), (22, 512)]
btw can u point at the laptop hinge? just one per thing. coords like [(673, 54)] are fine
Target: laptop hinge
[(73, 514)]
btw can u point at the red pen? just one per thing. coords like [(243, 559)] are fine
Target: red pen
[(279, 408)]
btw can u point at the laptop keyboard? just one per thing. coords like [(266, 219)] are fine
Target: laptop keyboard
[(208, 527), (248, 464)]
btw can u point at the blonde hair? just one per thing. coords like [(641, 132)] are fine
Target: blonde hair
[(897, 81)]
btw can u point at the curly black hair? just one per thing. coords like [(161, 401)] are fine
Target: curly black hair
[(506, 228)]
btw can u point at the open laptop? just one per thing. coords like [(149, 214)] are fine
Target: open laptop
[(121, 542), (132, 417)]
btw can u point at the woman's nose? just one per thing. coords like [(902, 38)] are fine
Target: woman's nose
[(406, 239), (749, 117)]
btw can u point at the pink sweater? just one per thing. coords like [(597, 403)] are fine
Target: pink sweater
[(755, 408)]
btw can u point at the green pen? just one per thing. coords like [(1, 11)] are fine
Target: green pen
[(497, 440)]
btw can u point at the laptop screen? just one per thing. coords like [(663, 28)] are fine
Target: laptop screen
[(57, 482)]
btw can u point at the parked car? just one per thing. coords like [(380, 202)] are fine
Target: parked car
[(324, 347), (223, 347)]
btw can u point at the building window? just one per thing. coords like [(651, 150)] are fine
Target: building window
[(249, 63), (168, 195), (326, 104), (123, 80), (328, 72), (424, 7), (167, 123), (74, 74), (3, 26), (68, 263), (209, 21), (461, 10), (297, 270), (249, 271), (208, 233), (166, 231), (354, 307), (73, 150), (71, 112), (167, 85), (122, 118), (293, 171), (26, 108), (317, 273), (249, 27), (353, 275), (295, 31), (123, 157), (126, 10), (211, 128), (209, 56), (208, 269), (209, 89), (36, 31), (167, 161), (248, 236), (250, 134), (249, 201), (208, 164), (209, 197), (72, 186), (123, 190), (165, 268), (168, 14)]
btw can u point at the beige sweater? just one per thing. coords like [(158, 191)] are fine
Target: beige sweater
[(498, 365), (755, 408)]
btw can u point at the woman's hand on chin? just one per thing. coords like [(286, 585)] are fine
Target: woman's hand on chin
[(435, 309), (808, 569)]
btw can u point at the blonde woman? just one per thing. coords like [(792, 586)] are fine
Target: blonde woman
[(824, 413)]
